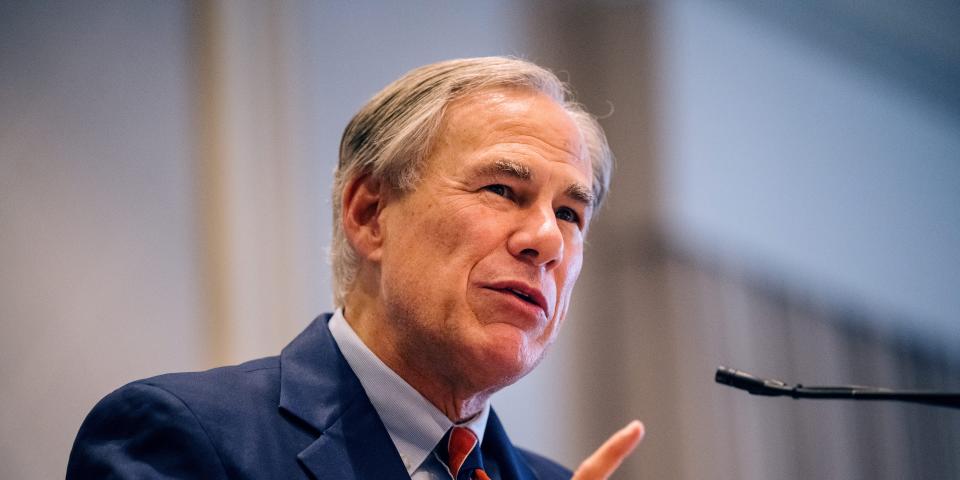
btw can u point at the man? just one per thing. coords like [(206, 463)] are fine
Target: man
[(462, 198)]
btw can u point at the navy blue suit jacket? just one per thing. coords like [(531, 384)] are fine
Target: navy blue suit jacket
[(303, 414)]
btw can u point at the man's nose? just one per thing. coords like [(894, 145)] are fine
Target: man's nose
[(538, 240)]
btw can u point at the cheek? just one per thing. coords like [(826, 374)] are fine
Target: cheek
[(449, 236), (433, 251), (463, 238), (570, 275), (565, 283), (443, 226), (427, 235)]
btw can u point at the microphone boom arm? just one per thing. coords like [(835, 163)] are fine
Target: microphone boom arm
[(776, 388)]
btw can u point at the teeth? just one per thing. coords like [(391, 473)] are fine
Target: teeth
[(520, 294)]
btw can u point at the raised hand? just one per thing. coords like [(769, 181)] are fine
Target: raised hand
[(608, 457)]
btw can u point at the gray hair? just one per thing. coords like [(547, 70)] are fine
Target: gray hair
[(392, 134)]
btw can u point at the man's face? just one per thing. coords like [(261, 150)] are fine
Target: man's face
[(479, 261)]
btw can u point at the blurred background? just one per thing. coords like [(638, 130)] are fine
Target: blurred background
[(786, 202)]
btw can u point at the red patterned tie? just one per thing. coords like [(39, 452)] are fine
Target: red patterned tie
[(460, 445)]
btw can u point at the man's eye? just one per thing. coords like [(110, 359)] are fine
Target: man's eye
[(498, 189), (568, 215)]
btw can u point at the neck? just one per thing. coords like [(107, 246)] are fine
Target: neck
[(447, 390)]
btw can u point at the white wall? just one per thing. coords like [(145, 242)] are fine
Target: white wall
[(98, 283), (783, 154)]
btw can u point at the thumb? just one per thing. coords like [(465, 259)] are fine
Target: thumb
[(608, 457)]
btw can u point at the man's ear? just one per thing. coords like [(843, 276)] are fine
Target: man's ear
[(361, 205)]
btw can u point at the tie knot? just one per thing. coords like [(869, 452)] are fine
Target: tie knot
[(460, 443)]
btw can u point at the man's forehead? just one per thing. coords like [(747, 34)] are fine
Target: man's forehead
[(521, 112), (518, 110)]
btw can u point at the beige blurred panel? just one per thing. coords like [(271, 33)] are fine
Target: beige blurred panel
[(262, 255)]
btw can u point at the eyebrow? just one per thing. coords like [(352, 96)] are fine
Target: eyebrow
[(581, 193), (575, 191), (508, 168)]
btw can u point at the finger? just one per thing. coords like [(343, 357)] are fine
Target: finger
[(608, 457)]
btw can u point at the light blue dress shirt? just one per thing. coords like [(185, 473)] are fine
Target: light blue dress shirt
[(415, 425)]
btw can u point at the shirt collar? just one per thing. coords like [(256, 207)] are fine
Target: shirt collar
[(415, 425)]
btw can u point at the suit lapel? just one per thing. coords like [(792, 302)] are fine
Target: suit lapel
[(356, 446), (318, 387), (497, 445)]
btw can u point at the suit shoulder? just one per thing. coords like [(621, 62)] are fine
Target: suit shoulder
[(256, 381), (545, 468), (182, 420), (232, 374), (137, 427)]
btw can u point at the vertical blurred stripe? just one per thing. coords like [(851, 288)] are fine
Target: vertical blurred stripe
[(254, 195), (207, 31)]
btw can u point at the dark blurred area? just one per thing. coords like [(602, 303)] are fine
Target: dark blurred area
[(786, 201)]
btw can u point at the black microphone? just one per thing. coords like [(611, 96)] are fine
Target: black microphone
[(776, 388)]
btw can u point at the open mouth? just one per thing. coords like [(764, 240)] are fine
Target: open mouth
[(521, 296), (529, 296)]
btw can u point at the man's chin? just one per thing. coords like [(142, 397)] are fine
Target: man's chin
[(507, 354)]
